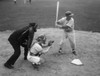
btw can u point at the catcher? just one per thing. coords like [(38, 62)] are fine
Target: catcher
[(37, 49), (67, 24)]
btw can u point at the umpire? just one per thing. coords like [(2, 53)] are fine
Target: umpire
[(22, 37)]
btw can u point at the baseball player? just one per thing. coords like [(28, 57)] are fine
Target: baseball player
[(67, 24), (37, 49)]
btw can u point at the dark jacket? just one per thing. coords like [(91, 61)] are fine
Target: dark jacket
[(24, 34), (20, 35)]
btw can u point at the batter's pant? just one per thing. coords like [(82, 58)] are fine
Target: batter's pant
[(70, 36)]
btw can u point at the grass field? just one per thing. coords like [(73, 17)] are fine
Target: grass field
[(43, 12)]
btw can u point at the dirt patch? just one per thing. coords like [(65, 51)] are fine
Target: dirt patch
[(56, 64)]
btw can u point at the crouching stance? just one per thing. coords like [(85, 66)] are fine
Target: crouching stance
[(21, 37), (37, 49)]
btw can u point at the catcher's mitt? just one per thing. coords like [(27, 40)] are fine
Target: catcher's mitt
[(50, 42), (67, 28)]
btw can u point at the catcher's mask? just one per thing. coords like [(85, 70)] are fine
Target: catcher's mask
[(41, 38)]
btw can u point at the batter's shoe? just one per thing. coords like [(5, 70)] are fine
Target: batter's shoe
[(60, 51), (74, 52)]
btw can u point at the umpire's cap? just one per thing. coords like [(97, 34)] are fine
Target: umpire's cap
[(33, 24), (68, 13)]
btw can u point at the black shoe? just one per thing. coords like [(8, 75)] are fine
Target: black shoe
[(25, 58), (35, 66), (60, 51), (8, 66), (74, 52)]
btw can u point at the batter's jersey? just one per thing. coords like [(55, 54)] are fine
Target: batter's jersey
[(64, 22)]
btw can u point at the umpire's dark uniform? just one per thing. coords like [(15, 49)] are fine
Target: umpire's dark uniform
[(22, 37)]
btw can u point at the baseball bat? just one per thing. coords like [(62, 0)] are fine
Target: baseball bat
[(57, 11)]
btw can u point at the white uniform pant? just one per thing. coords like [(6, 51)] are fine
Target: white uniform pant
[(34, 59), (71, 38)]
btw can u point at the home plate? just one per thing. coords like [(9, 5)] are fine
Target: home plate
[(77, 62)]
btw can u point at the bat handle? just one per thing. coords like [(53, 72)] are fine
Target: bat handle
[(55, 23)]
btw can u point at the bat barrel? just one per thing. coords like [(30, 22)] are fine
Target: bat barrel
[(57, 11)]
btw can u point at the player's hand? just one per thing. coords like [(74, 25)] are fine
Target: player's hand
[(67, 28), (50, 42)]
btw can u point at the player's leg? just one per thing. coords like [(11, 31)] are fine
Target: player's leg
[(72, 43), (11, 61), (36, 61), (62, 42), (25, 53)]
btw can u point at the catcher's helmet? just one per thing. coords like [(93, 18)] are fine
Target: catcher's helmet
[(41, 38)]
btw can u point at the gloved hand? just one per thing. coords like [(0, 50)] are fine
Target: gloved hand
[(50, 42), (67, 28)]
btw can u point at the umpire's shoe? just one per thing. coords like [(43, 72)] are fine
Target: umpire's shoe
[(25, 58), (8, 66)]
